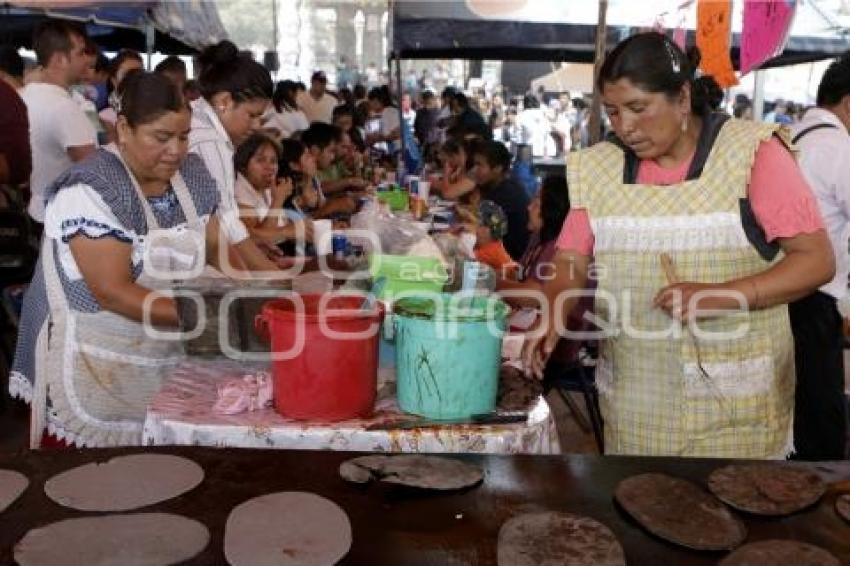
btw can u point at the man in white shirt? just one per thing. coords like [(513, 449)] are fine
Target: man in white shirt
[(824, 143), (60, 132), (316, 103)]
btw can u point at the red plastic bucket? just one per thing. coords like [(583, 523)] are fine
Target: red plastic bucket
[(330, 346)]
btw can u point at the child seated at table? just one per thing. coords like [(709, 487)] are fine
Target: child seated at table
[(320, 142), (343, 174), (298, 164), (490, 224), (261, 194)]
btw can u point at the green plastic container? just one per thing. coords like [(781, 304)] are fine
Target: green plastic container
[(396, 198), (407, 274), (448, 353)]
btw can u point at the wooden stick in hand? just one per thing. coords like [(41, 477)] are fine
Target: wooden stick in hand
[(669, 269)]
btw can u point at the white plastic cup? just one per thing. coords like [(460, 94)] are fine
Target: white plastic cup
[(413, 184), (424, 190), (322, 234)]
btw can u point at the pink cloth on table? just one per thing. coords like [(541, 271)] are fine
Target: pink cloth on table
[(782, 200), (251, 392)]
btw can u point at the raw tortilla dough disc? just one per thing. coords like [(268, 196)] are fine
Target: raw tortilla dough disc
[(147, 539), (770, 552), (680, 511), (426, 472), (12, 485), (290, 527), (842, 507), (557, 539), (766, 489), (124, 483)]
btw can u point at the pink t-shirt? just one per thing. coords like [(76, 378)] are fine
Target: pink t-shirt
[(782, 200)]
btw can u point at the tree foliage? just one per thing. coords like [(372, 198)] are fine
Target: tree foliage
[(248, 22)]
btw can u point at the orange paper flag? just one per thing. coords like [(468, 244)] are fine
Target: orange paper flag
[(714, 22)]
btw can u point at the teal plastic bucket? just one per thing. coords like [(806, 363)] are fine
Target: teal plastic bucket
[(448, 353)]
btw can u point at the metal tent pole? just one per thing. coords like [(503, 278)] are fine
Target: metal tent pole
[(150, 40), (758, 96), (400, 113)]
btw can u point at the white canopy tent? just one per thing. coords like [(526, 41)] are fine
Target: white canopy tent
[(572, 77)]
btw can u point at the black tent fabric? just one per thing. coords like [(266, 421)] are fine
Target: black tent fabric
[(443, 30)]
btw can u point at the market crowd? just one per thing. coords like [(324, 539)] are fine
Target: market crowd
[(132, 178)]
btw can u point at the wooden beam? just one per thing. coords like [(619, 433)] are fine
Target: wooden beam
[(595, 120)]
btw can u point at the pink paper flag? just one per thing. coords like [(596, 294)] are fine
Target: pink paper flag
[(679, 38), (767, 24)]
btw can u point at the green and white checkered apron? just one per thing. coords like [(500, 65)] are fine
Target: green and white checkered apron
[(653, 397)]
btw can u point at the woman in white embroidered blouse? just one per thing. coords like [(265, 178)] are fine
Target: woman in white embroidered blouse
[(236, 91), (119, 226)]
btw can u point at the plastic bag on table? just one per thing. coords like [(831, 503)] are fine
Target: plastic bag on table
[(456, 250), (396, 236)]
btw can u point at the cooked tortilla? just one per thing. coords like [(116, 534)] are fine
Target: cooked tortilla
[(143, 539), (12, 485), (424, 472), (680, 511), (124, 483), (293, 528), (767, 489), (557, 539), (790, 552), (842, 507)]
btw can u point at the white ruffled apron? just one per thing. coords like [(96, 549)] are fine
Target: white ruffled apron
[(101, 370)]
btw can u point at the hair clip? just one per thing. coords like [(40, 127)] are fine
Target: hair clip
[(674, 61)]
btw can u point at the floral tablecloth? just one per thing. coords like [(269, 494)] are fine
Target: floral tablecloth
[(182, 414)]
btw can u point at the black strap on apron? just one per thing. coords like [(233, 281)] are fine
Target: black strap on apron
[(712, 124), (805, 132)]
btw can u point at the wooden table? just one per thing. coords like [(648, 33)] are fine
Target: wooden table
[(399, 527)]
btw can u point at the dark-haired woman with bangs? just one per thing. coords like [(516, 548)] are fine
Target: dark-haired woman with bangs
[(119, 226), (236, 90), (283, 116), (688, 216), (546, 214)]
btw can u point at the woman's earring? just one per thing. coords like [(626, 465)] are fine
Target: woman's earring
[(685, 125)]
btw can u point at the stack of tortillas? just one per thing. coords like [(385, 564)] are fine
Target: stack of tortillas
[(680, 511), (543, 538), (767, 489), (12, 485), (424, 472), (292, 528), (121, 484), (780, 552)]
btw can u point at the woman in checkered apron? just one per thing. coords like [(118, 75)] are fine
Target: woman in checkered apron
[(119, 226), (685, 211)]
